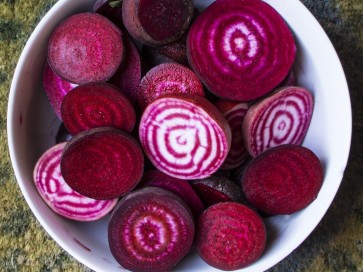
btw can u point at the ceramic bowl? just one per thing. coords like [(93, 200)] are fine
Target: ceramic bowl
[(32, 127)]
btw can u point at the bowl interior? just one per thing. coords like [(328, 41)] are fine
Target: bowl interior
[(32, 127)]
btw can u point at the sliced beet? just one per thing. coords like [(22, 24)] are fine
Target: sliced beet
[(234, 112), (217, 188), (180, 187), (167, 78), (230, 236), (151, 229), (157, 22), (240, 49), (283, 179), (185, 136), (281, 118), (59, 196), (102, 163), (97, 104), (85, 47), (55, 88)]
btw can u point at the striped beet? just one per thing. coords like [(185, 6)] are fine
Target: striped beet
[(185, 136), (281, 118), (59, 196), (241, 49), (234, 112)]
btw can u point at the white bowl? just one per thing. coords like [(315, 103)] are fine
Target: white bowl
[(32, 126)]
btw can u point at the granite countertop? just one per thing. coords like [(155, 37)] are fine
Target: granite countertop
[(335, 245)]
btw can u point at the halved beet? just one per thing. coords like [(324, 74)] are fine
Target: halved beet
[(102, 163), (167, 78), (241, 49), (156, 22), (283, 179), (59, 196), (55, 88), (151, 229), (185, 136), (97, 104), (180, 187), (281, 118), (217, 188), (234, 112), (230, 236), (85, 47)]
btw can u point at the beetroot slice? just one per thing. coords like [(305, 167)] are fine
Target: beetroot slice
[(59, 196), (234, 115), (283, 179), (157, 22), (230, 236), (281, 118), (97, 104), (240, 49), (151, 229), (168, 78), (180, 187), (55, 88), (102, 163), (85, 47), (184, 136), (215, 189)]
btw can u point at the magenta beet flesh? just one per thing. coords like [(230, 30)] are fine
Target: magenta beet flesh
[(281, 118), (151, 229), (97, 104), (241, 49), (230, 236), (102, 163), (283, 179), (184, 136), (85, 47), (59, 196)]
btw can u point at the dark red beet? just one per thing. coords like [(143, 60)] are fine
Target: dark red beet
[(111, 9), (59, 196), (167, 78), (55, 88), (217, 189), (180, 187), (157, 22), (97, 104), (151, 229), (283, 179), (185, 136), (102, 163), (85, 47), (230, 236), (241, 49), (281, 118)]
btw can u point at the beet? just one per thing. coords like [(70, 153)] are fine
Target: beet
[(151, 229), (230, 236), (281, 118), (97, 104), (216, 188), (184, 136), (59, 196), (290, 79), (167, 78), (180, 187), (85, 47), (241, 49), (234, 112), (157, 22), (111, 9), (102, 163), (283, 179), (55, 88)]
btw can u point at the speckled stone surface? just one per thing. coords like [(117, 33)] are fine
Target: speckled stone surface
[(335, 245)]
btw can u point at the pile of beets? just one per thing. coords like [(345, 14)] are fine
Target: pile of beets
[(185, 125)]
